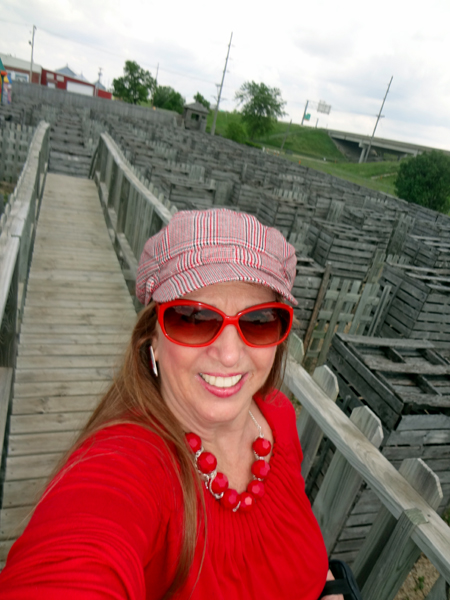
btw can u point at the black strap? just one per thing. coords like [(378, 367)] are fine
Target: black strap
[(338, 586), (344, 582)]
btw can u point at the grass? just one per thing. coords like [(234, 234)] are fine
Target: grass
[(379, 176), (313, 148), (303, 141)]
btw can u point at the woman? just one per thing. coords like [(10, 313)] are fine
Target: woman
[(186, 481)]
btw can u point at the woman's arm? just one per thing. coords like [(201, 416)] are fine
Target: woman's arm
[(96, 527)]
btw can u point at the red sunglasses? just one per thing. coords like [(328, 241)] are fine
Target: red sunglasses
[(190, 323)]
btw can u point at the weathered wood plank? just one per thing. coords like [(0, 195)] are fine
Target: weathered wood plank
[(54, 404), (46, 422), (388, 342), (411, 366), (6, 377), (342, 482), (38, 376), (41, 443), (68, 350), (23, 492), (421, 477)]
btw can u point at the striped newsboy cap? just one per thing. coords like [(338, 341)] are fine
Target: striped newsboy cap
[(202, 247)]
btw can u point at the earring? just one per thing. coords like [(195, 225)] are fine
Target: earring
[(153, 362)]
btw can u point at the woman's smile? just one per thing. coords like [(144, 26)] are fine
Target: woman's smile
[(221, 381)]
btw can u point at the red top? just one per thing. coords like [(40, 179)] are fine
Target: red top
[(109, 528)]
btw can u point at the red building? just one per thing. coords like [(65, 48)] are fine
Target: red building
[(62, 79), (66, 79)]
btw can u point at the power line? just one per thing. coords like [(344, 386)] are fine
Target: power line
[(110, 52)]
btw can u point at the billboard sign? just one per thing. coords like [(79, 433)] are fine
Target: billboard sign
[(323, 107)]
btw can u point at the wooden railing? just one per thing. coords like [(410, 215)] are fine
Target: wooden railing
[(407, 524), (17, 231), (132, 211)]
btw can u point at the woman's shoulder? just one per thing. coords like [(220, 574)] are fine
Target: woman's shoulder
[(127, 436), (276, 405), (279, 412), (121, 447)]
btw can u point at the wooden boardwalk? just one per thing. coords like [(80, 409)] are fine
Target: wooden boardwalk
[(77, 319)]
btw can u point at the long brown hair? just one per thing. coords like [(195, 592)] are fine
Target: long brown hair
[(136, 391)]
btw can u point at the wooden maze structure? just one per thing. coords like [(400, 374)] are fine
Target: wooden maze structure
[(144, 172)]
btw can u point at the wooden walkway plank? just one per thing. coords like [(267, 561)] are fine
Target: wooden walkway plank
[(75, 326), (54, 404)]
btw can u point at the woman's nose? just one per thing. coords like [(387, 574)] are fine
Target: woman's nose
[(228, 346)]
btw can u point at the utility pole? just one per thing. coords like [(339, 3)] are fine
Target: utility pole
[(32, 51), (213, 128), (378, 118), (156, 78), (97, 86)]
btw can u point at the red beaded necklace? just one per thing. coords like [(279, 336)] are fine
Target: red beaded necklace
[(217, 483)]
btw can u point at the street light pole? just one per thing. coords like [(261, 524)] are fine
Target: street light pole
[(32, 51), (213, 128)]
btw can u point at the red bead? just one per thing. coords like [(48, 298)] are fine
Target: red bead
[(194, 442), (247, 501), (256, 488), (207, 462), (262, 447), (230, 498), (219, 484), (260, 469)]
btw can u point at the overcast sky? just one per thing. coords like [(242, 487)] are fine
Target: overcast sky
[(341, 52)]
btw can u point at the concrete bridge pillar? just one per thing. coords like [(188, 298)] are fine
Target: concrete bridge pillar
[(363, 153)]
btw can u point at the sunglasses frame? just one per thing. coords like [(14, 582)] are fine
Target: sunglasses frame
[(227, 320)]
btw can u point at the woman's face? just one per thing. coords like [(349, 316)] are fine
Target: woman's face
[(213, 386)]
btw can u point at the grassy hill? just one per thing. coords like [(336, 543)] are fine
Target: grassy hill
[(315, 149)]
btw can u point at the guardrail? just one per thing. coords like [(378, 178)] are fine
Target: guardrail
[(17, 231)]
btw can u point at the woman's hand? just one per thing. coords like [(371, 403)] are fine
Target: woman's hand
[(330, 577)]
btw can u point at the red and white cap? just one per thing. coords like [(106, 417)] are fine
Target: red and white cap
[(202, 247)]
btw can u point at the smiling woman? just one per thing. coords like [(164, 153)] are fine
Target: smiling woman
[(186, 481)]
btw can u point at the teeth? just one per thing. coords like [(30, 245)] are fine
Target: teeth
[(221, 382)]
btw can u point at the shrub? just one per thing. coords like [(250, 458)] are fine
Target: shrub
[(236, 131)]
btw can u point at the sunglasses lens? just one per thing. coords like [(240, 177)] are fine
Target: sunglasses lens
[(191, 325), (265, 326)]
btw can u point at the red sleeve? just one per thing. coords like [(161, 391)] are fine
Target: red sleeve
[(98, 525)]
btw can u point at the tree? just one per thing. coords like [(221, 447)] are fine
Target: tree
[(167, 98), (262, 105), (425, 180), (201, 100), (136, 84), (236, 132)]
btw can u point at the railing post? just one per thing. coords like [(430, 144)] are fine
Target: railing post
[(309, 432), (342, 482), (388, 554), (440, 590)]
